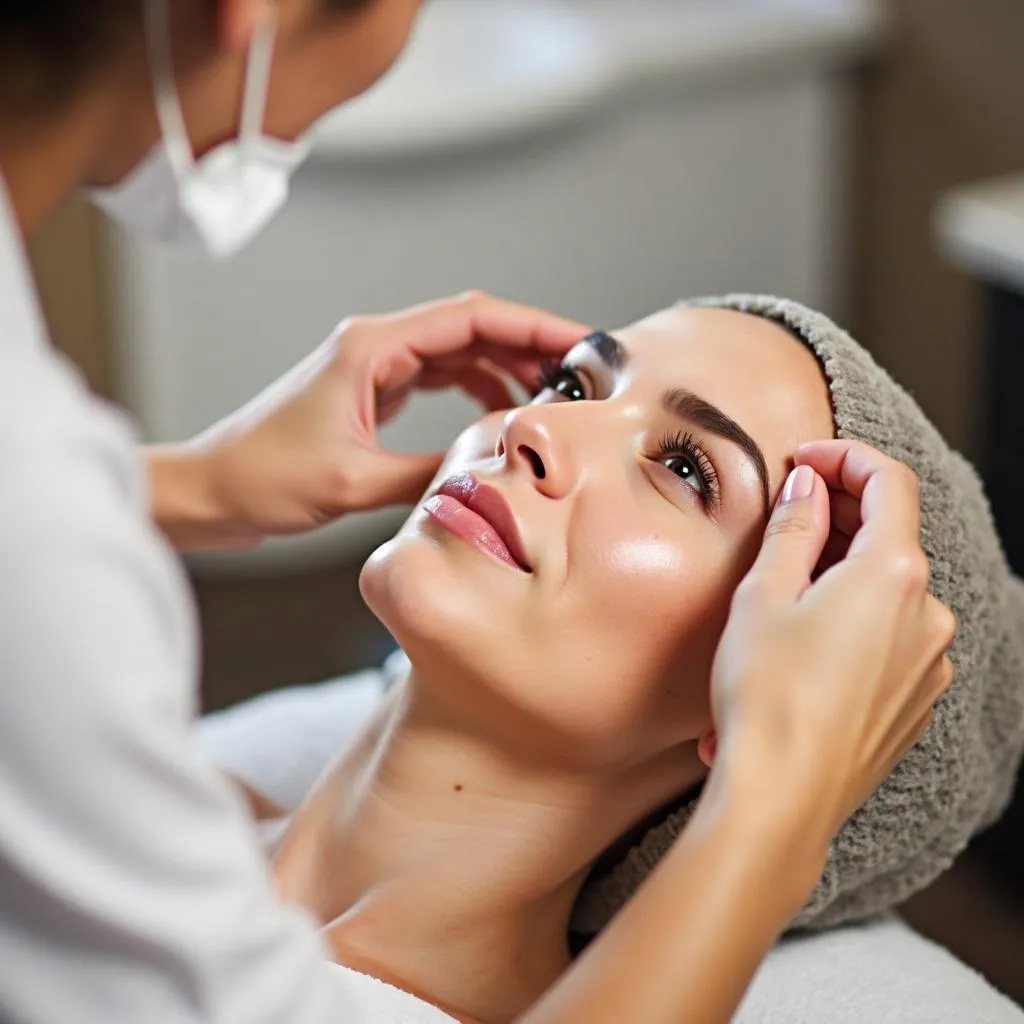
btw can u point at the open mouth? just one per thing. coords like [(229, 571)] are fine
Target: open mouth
[(480, 515)]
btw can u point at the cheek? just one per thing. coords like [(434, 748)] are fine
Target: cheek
[(648, 609), (387, 29), (661, 571)]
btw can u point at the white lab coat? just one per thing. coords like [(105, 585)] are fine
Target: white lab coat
[(132, 888)]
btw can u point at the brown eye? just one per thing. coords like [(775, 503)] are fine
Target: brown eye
[(682, 456), (685, 470), (565, 382), (571, 387)]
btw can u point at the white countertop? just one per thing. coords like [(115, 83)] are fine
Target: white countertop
[(981, 230)]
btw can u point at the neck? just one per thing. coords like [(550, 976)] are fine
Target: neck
[(450, 869)]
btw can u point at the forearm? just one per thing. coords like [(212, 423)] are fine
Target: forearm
[(686, 947), (183, 500)]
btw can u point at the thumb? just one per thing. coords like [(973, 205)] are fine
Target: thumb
[(796, 533), (393, 479)]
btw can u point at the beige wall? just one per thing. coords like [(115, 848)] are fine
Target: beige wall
[(944, 106)]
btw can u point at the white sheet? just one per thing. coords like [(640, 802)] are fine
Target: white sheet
[(879, 973)]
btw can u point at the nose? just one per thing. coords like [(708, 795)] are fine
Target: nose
[(531, 442)]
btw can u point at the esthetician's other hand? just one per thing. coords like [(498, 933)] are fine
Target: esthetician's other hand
[(306, 450), (819, 688)]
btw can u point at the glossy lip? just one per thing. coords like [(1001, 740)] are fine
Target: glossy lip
[(489, 505)]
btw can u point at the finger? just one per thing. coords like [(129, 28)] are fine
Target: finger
[(837, 546), (489, 389), (393, 479), (888, 492), (795, 536), (943, 679), (480, 383), (513, 360), (912, 736), (937, 679), (389, 409), (450, 325), (942, 623), (844, 509), (523, 367)]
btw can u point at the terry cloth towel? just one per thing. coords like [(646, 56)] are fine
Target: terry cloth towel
[(879, 972), (959, 777)]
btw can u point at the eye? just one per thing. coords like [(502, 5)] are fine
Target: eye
[(564, 381), (685, 470), (682, 456)]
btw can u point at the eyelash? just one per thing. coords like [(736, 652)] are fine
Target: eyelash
[(686, 446), (680, 445), (553, 373)]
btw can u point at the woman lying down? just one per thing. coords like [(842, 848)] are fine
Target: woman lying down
[(560, 593)]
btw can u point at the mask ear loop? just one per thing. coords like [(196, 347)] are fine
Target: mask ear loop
[(165, 97), (257, 80)]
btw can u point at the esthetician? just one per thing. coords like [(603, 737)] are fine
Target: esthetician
[(131, 885)]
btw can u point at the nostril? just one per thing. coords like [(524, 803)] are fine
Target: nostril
[(535, 461)]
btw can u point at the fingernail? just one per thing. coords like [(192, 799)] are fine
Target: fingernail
[(799, 484)]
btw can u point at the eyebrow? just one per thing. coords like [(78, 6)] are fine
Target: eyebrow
[(690, 407), (694, 409), (611, 350)]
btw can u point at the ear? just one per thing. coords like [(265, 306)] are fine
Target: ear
[(707, 747), (238, 21)]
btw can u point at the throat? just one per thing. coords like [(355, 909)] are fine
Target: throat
[(445, 868)]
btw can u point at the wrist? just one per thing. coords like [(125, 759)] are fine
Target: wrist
[(186, 501), (779, 822)]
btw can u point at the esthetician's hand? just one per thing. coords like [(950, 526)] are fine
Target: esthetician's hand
[(819, 688), (306, 451)]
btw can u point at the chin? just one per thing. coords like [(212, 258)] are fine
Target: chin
[(482, 652), (445, 605), (434, 603)]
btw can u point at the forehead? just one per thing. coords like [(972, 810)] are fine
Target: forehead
[(754, 370)]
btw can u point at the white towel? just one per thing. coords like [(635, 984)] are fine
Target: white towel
[(876, 973), (369, 999)]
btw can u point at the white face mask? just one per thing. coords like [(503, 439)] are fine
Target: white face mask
[(228, 196)]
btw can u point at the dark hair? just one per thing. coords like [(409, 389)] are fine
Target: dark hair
[(48, 47)]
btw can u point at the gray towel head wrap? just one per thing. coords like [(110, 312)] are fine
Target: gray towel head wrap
[(959, 777)]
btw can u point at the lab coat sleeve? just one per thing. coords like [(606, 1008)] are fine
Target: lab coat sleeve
[(131, 885)]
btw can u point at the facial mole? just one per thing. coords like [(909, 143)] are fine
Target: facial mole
[(458, 787)]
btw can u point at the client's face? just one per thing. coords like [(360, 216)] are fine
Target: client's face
[(568, 576)]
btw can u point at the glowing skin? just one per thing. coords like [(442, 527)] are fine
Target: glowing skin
[(632, 571), (557, 699)]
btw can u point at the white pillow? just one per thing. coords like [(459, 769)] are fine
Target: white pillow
[(281, 742)]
